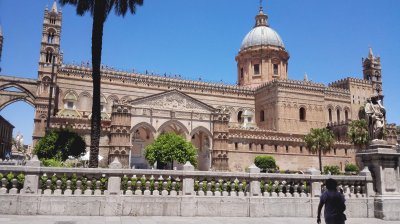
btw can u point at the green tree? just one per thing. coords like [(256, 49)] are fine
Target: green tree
[(358, 133), (170, 147), (265, 163), (59, 145), (319, 140), (99, 10)]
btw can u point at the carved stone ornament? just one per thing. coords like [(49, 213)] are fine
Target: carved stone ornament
[(173, 100)]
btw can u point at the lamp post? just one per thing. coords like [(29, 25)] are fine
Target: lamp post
[(50, 95)]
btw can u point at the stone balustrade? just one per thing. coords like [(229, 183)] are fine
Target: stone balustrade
[(86, 191)]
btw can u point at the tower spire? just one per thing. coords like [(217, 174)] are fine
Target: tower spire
[(370, 53), (54, 7)]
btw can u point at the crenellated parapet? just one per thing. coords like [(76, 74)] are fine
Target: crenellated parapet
[(136, 79), (346, 82)]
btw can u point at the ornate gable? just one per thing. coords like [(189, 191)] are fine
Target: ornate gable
[(173, 100)]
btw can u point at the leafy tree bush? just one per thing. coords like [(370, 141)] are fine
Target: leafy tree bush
[(352, 168), (170, 147), (334, 170), (319, 140), (358, 133), (265, 163), (59, 145)]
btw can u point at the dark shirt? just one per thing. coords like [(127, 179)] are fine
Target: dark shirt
[(334, 206)]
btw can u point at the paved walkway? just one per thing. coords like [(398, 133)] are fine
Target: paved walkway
[(10, 219)]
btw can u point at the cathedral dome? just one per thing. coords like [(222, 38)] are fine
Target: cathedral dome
[(262, 34)]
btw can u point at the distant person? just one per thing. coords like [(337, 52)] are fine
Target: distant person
[(334, 204)]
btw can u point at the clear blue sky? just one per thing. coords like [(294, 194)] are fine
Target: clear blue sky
[(326, 39)]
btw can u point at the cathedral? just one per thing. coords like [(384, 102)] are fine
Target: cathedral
[(266, 113)]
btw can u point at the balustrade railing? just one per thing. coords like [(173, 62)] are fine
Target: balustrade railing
[(137, 182)]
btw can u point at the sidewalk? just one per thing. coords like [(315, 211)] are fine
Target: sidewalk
[(9, 219)]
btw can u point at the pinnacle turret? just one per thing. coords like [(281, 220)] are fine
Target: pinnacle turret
[(54, 7)]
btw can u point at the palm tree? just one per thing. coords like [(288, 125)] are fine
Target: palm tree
[(358, 133), (319, 140), (99, 10)]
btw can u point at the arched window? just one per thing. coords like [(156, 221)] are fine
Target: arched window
[(330, 114), (338, 115), (302, 114), (49, 56), (262, 118), (50, 37), (346, 115), (239, 117)]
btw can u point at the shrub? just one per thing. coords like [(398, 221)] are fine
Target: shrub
[(52, 163), (334, 170), (352, 168), (265, 163)]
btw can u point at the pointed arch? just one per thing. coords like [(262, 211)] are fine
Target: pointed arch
[(201, 128), (143, 125), (174, 124)]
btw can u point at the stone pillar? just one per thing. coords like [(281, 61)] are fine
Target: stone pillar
[(220, 141), (188, 183), (255, 189), (383, 162), (120, 144)]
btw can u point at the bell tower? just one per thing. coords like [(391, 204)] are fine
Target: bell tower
[(49, 59), (372, 72)]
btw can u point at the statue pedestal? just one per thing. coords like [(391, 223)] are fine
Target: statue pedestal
[(383, 162)]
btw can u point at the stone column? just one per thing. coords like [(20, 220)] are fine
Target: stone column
[(383, 162)]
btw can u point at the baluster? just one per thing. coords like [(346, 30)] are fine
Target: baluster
[(147, 188), (14, 189), (88, 190), (296, 189), (68, 190), (97, 191), (217, 191), (233, 187), (241, 192), (225, 189), (48, 187), (78, 190), (164, 192), (58, 190), (178, 187), (129, 188), (173, 189), (156, 192), (3, 189), (352, 189), (200, 192), (209, 187), (358, 191), (266, 192), (138, 190), (280, 188), (275, 189)]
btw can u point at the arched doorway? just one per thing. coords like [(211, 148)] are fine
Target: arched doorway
[(201, 139), (141, 135)]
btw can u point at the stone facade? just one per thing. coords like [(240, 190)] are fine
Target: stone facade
[(266, 113)]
